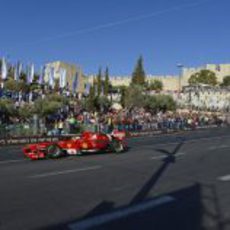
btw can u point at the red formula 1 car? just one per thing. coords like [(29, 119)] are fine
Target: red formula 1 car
[(88, 142)]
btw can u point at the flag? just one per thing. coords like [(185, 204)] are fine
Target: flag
[(4, 69), (19, 68), (41, 76), (62, 78), (17, 71), (51, 77), (75, 83), (31, 73), (27, 74)]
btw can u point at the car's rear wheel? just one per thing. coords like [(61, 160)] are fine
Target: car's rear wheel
[(54, 151), (117, 146)]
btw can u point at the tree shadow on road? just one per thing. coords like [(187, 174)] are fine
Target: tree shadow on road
[(188, 209), (170, 158)]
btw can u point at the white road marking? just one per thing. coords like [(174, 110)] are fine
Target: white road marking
[(164, 156), (218, 147), (102, 219), (225, 178), (180, 154), (10, 161), (158, 157), (56, 173)]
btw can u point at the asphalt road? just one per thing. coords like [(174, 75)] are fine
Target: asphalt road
[(167, 182)]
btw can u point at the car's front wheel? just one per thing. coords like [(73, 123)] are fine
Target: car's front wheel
[(54, 151), (117, 146)]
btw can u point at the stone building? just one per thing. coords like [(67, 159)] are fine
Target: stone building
[(221, 70), (172, 82)]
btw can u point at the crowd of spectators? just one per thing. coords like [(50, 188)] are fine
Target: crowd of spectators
[(131, 121), (136, 121), (73, 119)]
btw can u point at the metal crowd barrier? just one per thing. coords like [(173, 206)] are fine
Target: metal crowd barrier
[(19, 140)]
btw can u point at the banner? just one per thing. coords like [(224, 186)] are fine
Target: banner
[(4, 70), (17, 71), (41, 76), (62, 78), (27, 74), (31, 73), (51, 77)]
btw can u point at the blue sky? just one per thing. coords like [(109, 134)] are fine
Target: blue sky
[(94, 33)]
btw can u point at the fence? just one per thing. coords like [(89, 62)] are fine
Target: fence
[(21, 134)]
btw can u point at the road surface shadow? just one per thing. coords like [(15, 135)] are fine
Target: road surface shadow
[(149, 185), (191, 208)]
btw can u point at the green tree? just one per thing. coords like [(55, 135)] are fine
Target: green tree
[(23, 77), (123, 92), (58, 98), (99, 82), (22, 83), (102, 103), (95, 88), (36, 77), (203, 77), (56, 85), (10, 72), (16, 86), (226, 81), (156, 85), (138, 76), (160, 102), (150, 103), (90, 101), (34, 86), (7, 109), (11, 85), (165, 102), (106, 83), (134, 97), (26, 111), (49, 105), (92, 92), (44, 107)]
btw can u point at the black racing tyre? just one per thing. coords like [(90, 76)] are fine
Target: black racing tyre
[(54, 151), (117, 146)]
